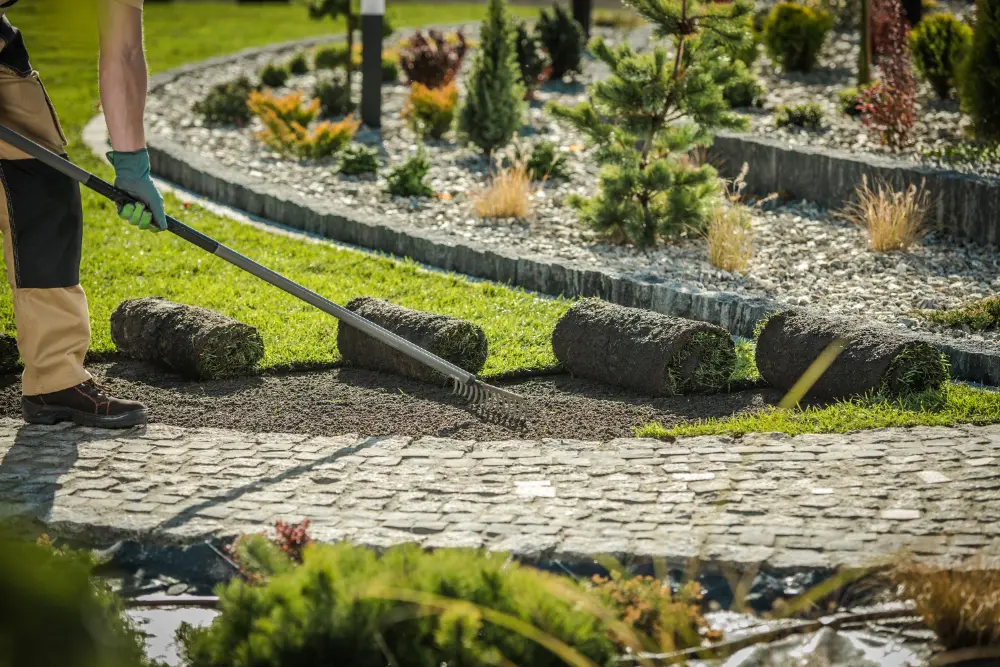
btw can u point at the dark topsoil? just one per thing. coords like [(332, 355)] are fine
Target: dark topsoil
[(348, 400)]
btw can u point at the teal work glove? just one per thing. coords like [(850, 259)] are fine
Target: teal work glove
[(132, 176)]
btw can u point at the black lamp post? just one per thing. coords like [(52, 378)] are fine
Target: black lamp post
[(372, 17)]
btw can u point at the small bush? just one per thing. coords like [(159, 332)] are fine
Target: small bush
[(390, 67), (672, 621), (961, 605), (508, 194), (730, 237), (744, 91), (432, 60), (334, 95), (850, 101), (288, 108), (293, 139), (226, 103), (407, 179), (430, 111), (894, 220), (546, 162), (794, 34), (330, 57), (274, 75), (406, 607), (938, 45), (888, 108), (981, 315), (531, 59), (299, 64), (563, 40), (808, 115), (359, 160), (618, 20), (980, 73)]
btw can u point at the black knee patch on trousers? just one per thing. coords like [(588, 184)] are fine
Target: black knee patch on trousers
[(46, 224)]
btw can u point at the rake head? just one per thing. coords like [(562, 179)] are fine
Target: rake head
[(485, 396)]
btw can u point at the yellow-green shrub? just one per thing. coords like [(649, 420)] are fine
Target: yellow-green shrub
[(431, 111)]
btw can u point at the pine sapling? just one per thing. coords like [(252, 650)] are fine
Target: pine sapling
[(651, 112), (494, 103)]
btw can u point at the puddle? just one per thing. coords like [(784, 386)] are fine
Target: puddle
[(160, 624)]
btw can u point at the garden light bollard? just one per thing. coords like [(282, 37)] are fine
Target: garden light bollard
[(372, 18), (581, 14)]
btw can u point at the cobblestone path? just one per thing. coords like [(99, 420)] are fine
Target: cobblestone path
[(816, 500)]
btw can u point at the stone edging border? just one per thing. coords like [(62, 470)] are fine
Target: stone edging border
[(738, 314), (963, 204)]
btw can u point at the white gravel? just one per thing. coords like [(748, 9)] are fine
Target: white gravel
[(804, 255)]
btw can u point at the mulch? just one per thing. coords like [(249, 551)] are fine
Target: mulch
[(347, 400)]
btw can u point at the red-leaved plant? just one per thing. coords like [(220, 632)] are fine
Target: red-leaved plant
[(888, 108), (290, 538)]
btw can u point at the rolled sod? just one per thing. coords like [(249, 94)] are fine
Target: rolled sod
[(875, 359), (462, 343), (642, 350), (195, 342)]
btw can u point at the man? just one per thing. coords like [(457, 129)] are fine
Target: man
[(42, 221)]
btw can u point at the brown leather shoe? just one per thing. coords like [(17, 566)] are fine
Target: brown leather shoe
[(86, 404)]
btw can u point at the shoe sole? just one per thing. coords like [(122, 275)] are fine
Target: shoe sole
[(50, 414)]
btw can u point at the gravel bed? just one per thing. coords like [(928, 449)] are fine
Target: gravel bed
[(805, 256), (939, 122)]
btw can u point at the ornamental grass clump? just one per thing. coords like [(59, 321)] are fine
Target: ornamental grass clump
[(794, 34), (508, 194), (650, 113), (938, 46), (961, 604), (730, 237), (894, 220), (431, 111), (406, 607), (494, 103)]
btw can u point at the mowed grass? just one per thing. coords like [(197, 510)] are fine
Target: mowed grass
[(120, 262)]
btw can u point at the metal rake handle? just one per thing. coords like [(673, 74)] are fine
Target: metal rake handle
[(466, 383)]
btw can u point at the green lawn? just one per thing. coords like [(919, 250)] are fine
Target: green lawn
[(120, 262)]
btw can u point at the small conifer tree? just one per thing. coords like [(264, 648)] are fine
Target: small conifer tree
[(494, 104), (980, 75), (653, 109)]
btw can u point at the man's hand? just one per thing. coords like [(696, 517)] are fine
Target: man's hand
[(132, 176)]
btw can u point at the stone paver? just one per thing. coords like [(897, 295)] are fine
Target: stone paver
[(813, 500)]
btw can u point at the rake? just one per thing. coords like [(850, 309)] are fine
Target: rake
[(464, 384)]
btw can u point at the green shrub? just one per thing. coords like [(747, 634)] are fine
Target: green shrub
[(357, 160), (563, 40), (411, 608), (938, 45), (55, 614), (273, 75), (980, 73), (849, 99), (494, 102), (531, 58), (226, 103), (744, 91), (334, 95), (390, 68), (795, 33), (808, 115), (407, 179), (546, 162), (330, 57), (299, 64)]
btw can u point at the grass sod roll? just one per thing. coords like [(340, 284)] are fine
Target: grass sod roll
[(195, 342), (462, 343), (875, 360), (642, 350)]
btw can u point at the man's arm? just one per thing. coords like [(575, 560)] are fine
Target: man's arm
[(123, 96), (123, 74)]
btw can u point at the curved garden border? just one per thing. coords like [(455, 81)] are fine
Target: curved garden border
[(970, 360)]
